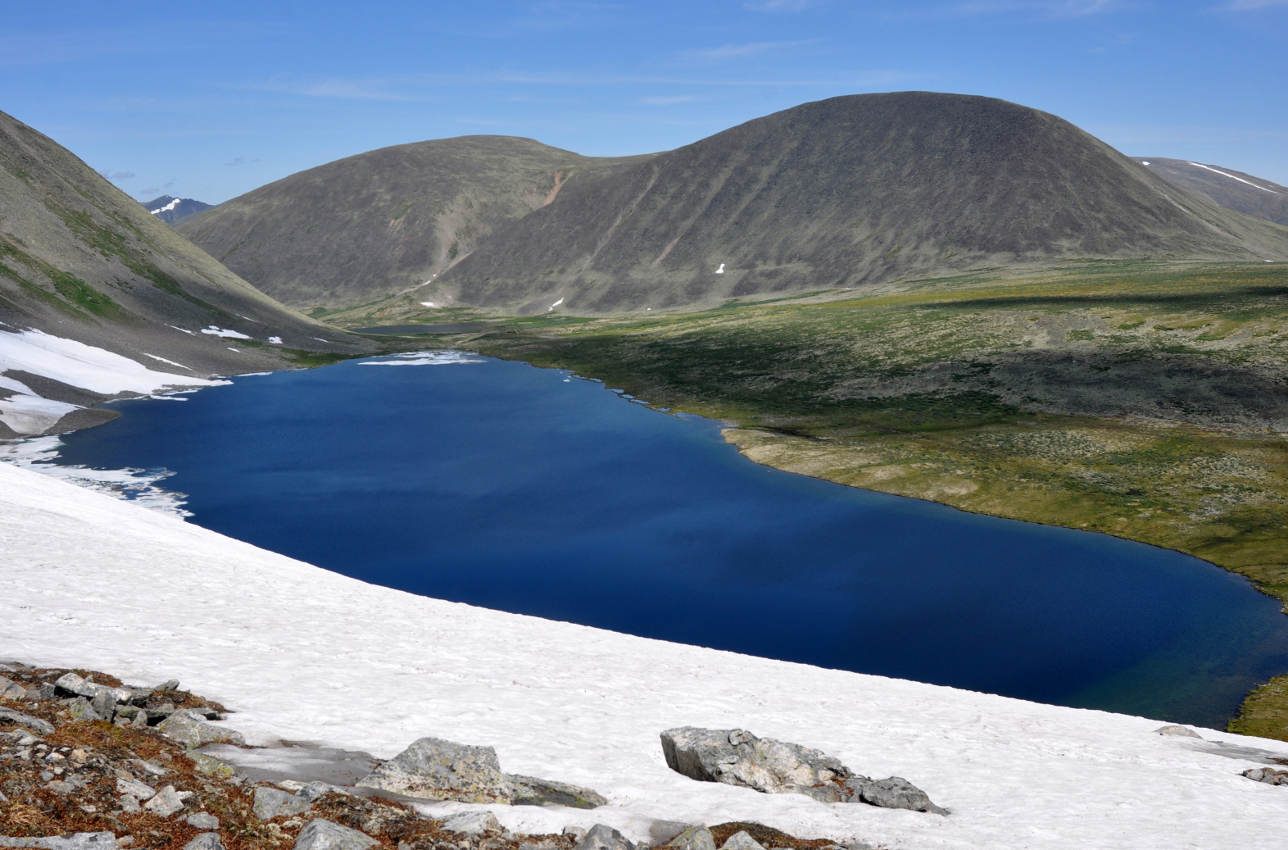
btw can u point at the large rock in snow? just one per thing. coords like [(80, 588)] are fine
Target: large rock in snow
[(434, 769), (737, 757), (190, 728)]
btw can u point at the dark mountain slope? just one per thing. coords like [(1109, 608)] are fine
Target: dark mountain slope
[(371, 225), (1231, 189), (81, 260), (170, 209), (841, 193)]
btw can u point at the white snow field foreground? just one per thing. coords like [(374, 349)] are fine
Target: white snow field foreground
[(299, 653)]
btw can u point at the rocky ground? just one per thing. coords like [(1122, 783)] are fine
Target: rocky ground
[(87, 762)]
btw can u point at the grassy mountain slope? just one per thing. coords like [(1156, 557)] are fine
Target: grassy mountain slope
[(841, 193), (1231, 189), (81, 260), (374, 224)]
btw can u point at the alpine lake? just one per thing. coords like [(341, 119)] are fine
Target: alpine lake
[(531, 490)]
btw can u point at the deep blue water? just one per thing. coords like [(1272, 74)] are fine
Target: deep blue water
[(525, 489)]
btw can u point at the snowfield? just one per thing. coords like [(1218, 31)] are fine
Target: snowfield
[(308, 655)]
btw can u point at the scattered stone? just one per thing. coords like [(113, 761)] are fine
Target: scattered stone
[(737, 757), (1268, 775), (473, 823), (205, 841), (211, 766), (76, 685), (168, 685), (11, 690), (35, 724), (135, 789), (1178, 731), (82, 710), (191, 730), (531, 791), (165, 802), (104, 704), (741, 841), (434, 769), (273, 802), (897, 793), (693, 838), (577, 832), (603, 837), (324, 835), (663, 831), (78, 841), (203, 820)]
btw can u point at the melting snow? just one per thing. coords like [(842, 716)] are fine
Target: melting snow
[(425, 358), (274, 340), (136, 485), (428, 303), (163, 360), (223, 333), (94, 582), (181, 330), (556, 304), (1233, 177), (721, 269)]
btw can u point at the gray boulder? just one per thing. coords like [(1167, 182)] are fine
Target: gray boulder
[(693, 838), (35, 724), (274, 802), (324, 835), (434, 769), (79, 841), (531, 791), (191, 730), (11, 690), (82, 710), (896, 793), (1268, 775), (205, 841), (473, 823), (167, 801), (742, 841), (737, 757), (135, 789), (76, 685), (202, 820), (603, 837)]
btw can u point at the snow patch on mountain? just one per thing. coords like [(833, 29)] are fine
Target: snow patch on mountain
[(300, 653), (1231, 176), (75, 364), (168, 207)]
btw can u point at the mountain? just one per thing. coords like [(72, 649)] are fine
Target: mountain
[(1231, 189), (170, 209), (843, 193), (97, 297), (381, 222)]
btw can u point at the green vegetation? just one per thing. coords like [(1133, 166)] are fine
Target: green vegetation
[(78, 296), (1141, 400)]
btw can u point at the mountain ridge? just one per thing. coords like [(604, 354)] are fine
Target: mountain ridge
[(374, 224)]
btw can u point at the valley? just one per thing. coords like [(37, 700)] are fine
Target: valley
[(1143, 400)]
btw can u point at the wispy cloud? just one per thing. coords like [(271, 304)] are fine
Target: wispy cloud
[(117, 175), (668, 100), (781, 5), (748, 48)]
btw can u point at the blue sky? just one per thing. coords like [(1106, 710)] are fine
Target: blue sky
[(209, 100)]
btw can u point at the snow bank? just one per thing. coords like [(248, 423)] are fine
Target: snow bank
[(304, 654), (76, 364), (84, 366)]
